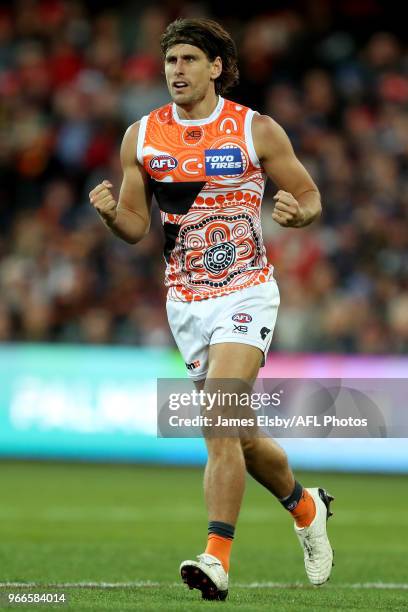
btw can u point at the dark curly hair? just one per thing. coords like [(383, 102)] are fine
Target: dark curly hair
[(212, 39)]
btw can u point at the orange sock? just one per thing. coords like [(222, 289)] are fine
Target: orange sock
[(221, 548), (305, 511)]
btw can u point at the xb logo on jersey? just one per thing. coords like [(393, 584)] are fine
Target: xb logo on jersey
[(193, 135), (163, 163)]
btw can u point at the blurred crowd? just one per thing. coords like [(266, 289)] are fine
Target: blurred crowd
[(74, 75)]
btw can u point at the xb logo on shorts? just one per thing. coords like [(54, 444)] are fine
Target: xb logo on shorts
[(242, 317), (163, 163), (219, 257), (223, 161), (240, 329)]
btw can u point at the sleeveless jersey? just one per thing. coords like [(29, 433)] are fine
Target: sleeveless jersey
[(209, 184)]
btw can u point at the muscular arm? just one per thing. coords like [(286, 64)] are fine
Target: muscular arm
[(133, 212), (298, 199)]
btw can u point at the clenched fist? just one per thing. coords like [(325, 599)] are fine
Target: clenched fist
[(102, 200), (287, 211)]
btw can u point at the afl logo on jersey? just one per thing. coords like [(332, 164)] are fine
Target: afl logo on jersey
[(242, 317), (163, 163)]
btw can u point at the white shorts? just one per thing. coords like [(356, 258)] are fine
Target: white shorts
[(247, 316)]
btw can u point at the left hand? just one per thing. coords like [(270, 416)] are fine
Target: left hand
[(287, 211)]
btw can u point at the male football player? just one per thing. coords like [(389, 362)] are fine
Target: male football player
[(206, 159)]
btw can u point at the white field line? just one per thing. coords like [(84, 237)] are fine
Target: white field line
[(178, 515), (249, 585)]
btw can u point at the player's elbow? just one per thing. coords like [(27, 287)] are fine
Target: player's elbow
[(144, 230), (315, 203), (136, 233), (132, 226), (137, 236)]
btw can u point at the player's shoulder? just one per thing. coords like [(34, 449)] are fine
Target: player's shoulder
[(130, 142), (265, 126), (268, 135), (131, 135), (133, 129)]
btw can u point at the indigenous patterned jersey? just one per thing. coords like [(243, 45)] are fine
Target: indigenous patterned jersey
[(208, 182)]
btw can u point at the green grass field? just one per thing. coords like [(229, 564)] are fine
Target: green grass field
[(129, 527)]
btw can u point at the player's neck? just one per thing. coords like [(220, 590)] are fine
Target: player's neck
[(199, 110)]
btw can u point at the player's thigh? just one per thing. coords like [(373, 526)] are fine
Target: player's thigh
[(234, 360), (233, 368)]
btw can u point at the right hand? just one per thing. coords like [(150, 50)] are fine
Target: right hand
[(102, 200)]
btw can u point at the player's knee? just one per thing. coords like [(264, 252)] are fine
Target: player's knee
[(255, 449), (251, 451), (222, 447), (249, 447)]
